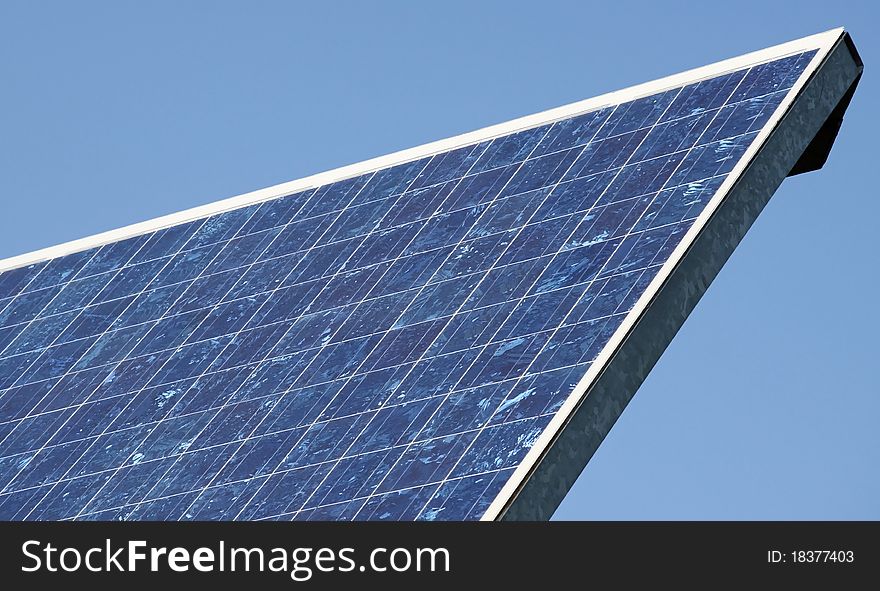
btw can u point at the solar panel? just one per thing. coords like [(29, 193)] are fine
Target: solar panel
[(423, 336)]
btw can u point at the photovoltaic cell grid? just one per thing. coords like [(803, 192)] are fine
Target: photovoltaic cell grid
[(384, 347)]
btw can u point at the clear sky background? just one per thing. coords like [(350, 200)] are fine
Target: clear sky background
[(765, 406)]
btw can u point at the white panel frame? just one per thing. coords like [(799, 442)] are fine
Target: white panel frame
[(822, 40)]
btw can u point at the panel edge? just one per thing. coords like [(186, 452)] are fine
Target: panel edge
[(541, 484)]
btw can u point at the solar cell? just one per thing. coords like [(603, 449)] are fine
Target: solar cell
[(401, 343)]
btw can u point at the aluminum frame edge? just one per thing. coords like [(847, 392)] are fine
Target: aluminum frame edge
[(542, 480)]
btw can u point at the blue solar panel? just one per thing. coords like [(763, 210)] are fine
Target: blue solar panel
[(388, 346)]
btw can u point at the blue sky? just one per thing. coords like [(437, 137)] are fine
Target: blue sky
[(765, 406)]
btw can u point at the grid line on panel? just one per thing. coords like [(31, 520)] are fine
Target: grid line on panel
[(478, 308), (391, 293), (420, 290), (120, 362), (635, 224), (403, 312), (334, 275), (291, 513), (220, 445), (219, 471), (465, 371), (118, 468), (38, 314), (365, 299), (435, 483), (265, 396), (338, 417), (773, 108), (597, 275), (268, 352), (354, 375), (47, 347), (487, 422)]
